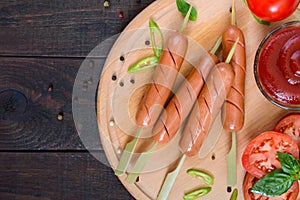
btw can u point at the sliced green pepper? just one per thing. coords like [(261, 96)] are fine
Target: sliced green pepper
[(208, 179), (145, 63), (234, 194), (197, 193)]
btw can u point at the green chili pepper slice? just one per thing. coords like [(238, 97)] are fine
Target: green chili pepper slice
[(157, 49), (197, 193), (143, 64), (208, 179), (234, 194)]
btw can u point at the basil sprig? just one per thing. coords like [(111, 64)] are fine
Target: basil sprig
[(183, 7), (279, 181), (150, 61)]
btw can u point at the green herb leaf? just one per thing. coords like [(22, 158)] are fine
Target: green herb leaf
[(155, 28), (273, 184), (143, 64), (183, 7), (288, 163)]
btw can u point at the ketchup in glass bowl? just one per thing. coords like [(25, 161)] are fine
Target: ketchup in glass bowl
[(277, 66)]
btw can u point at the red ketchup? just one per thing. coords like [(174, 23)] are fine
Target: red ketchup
[(278, 66)]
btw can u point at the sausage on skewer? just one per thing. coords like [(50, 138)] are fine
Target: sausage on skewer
[(233, 109), (163, 80), (182, 102), (205, 110)]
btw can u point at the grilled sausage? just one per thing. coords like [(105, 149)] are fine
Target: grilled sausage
[(163, 80), (206, 108), (182, 102), (233, 109)]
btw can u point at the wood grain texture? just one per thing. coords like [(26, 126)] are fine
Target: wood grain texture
[(42, 45), (260, 115), (46, 176), (33, 92), (61, 28)]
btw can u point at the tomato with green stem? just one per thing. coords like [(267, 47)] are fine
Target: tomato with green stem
[(272, 10), (260, 155)]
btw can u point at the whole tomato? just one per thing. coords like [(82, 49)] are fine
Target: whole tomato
[(272, 10)]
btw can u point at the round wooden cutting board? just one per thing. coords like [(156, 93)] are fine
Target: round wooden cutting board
[(119, 93)]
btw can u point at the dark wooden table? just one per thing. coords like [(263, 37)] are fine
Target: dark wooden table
[(42, 46)]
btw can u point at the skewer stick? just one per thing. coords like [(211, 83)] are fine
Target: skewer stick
[(231, 156), (127, 154), (231, 162), (171, 177), (144, 157)]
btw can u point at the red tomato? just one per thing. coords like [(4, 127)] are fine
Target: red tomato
[(290, 125), (260, 155), (272, 10), (250, 180)]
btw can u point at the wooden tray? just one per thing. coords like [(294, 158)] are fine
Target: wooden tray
[(119, 94)]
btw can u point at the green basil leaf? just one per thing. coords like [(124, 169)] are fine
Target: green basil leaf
[(143, 64), (273, 184), (183, 7), (155, 28), (288, 163)]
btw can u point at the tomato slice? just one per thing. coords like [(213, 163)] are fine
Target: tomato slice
[(250, 180), (260, 155), (290, 125)]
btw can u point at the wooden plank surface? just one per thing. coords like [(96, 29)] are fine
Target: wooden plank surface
[(45, 176), (33, 93), (61, 28), (42, 46)]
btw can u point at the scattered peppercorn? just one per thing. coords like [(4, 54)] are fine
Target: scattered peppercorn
[(60, 116), (106, 4), (121, 15)]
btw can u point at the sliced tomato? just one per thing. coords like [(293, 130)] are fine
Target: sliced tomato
[(290, 125), (260, 155), (250, 180)]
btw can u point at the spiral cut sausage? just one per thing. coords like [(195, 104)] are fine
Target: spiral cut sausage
[(182, 102), (163, 80), (206, 108), (233, 110)]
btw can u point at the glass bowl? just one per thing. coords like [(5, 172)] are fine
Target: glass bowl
[(277, 66)]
